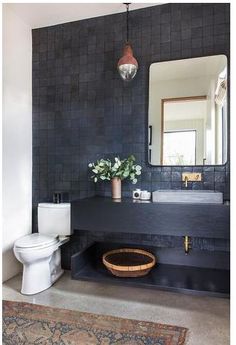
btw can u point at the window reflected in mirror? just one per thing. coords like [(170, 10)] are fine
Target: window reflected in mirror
[(188, 112), (179, 147)]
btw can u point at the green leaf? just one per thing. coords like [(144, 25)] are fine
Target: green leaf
[(105, 169)]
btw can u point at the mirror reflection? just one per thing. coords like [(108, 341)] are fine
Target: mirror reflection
[(188, 112)]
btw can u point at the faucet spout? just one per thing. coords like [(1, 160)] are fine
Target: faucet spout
[(186, 181)]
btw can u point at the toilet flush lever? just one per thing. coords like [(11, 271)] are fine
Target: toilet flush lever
[(64, 239)]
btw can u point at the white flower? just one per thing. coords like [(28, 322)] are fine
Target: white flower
[(95, 179), (90, 165), (95, 171), (138, 167), (134, 181)]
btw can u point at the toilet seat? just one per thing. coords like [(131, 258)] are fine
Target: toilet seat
[(36, 241)]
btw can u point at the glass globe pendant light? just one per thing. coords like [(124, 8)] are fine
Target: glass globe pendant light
[(127, 65)]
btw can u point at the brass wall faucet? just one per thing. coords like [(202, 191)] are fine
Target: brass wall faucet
[(194, 177)]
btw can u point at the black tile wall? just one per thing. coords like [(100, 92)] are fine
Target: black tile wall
[(82, 110)]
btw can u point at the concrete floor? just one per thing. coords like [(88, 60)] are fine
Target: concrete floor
[(207, 318)]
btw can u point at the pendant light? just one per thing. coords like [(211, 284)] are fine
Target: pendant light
[(127, 65)]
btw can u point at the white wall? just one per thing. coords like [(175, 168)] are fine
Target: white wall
[(219, 135), (17, 136), (210, 124)]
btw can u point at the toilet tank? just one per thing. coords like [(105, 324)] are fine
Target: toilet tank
[(54, 219)]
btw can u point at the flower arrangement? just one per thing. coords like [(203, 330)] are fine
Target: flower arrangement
[(105, 169)]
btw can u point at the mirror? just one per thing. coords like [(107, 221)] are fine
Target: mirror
[(187, 117)]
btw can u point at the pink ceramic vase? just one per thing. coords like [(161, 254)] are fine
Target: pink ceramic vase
[(116, 188)]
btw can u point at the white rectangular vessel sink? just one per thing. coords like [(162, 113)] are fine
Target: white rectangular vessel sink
[(188, 196)]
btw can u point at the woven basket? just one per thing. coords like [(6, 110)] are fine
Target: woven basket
[(129, 262)]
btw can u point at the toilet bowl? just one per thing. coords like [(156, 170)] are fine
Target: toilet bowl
[(40, 253), (41, 259)]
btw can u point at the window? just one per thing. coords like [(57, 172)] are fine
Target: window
[(179, 148)]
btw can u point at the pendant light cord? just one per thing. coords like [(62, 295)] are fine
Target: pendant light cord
[(127, 21)]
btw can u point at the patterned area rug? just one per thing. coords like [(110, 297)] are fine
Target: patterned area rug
[(30, 324)]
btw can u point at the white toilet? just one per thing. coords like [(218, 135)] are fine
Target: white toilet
[(40, 252)]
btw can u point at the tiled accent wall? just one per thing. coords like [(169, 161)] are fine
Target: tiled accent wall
[(82, 110)]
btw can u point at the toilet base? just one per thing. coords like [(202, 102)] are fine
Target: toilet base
[(38, 277)]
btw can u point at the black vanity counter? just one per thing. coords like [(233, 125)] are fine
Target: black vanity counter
[(200, 272), (146, 217)]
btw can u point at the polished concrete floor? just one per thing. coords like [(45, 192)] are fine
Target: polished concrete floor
[(207, 318)]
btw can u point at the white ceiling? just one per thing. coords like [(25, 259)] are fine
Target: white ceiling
[(188, 68), (46, 14)]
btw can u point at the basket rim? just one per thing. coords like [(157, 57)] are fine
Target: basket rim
[(129, 268)]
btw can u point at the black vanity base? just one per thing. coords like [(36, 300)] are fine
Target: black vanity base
[(87, 265)]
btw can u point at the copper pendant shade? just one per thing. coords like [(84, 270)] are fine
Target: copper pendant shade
[(127, 65)]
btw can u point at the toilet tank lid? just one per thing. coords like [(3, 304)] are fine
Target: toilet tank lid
[(52, 205), (36, 240)]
